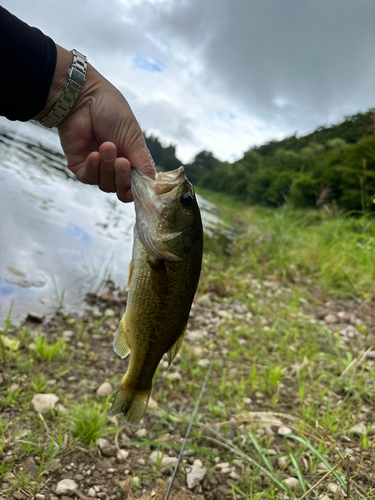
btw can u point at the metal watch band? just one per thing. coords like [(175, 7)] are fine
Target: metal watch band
[(73, 86)]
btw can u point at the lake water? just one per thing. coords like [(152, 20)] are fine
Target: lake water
[(59, 239)]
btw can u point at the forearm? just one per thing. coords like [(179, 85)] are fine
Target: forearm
[(28, 58)]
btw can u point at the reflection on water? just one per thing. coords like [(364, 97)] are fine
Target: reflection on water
[(58, 238)]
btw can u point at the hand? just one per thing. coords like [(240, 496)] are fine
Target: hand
[(100, 136)]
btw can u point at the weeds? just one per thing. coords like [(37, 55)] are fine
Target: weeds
[(46, 351)]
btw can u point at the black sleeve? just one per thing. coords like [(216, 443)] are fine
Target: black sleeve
[(27, 62)]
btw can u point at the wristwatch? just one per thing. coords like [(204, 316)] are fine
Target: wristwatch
[(73, 86)]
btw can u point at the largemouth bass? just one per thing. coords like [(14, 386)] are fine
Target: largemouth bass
[(163, 278)]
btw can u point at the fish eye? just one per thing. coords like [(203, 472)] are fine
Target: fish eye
[(186, 200)]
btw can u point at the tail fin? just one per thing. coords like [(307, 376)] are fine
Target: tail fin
[(131, 404)]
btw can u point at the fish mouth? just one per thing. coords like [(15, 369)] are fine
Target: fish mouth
[(149, 198), (164, 183)]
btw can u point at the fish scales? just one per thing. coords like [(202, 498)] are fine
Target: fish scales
[(164, 275)]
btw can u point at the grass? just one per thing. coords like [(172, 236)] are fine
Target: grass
[(272, 357)]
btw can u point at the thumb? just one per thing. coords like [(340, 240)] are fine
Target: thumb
[(140, 158)]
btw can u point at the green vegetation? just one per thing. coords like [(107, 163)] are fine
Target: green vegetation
[(332, 164), (285, 315)]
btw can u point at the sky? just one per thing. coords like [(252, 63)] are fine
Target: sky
[(222, 75)]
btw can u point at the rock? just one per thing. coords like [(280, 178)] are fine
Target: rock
[(141, 461), (141, 433), (55, 466), (34, 317), (109, 313), (91, 493), (157, 458), (358, 429), (107, 449), (330, 319), (17, 495), (122, 455), (61, 409), (67, 335), (282, 462), (136, 481), (345, 316), (44, 403), (234, 475), (39, 496), (293, 483), (30, 467), (284, 431), (222, 465), (104, 390), (194, 335), (66, 487), (205, 300), (335, 488), (203, 363), (196, 474), (322, 466)]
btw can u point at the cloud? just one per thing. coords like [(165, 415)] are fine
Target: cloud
[(223, 74)]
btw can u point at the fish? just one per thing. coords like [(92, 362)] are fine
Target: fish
[(163, 278)]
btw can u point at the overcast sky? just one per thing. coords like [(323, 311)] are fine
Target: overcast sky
[(222, 75)]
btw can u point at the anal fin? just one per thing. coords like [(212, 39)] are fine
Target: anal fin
[(120, 346), (173, 351)]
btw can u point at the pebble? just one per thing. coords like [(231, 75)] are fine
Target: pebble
[(109, 313), (104, 390), (222, 465), (322, 466), (66, 487), (122, 455), (194, 335), (284, 431), (67, 335), (141, 433), (136, 481), (91, 492), (156, 459), (34, 317), (293, 483), (282, 462), (107, 449), (335, 488), (30, 467), (141, 461), (39, 496), (61, 409), (358, 429), (44, 403), (55, 466), (203, 363), (330, 319), (196, 474)]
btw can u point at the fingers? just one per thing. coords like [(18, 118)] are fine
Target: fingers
[(108, 155), (122, 180)]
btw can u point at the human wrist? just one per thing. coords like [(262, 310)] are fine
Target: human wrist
[(63, 64)]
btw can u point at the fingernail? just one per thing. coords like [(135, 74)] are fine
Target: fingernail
[(107, 154)]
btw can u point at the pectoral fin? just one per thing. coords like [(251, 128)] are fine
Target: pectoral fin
[(131, 267), (120, 345), (173, 351)]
